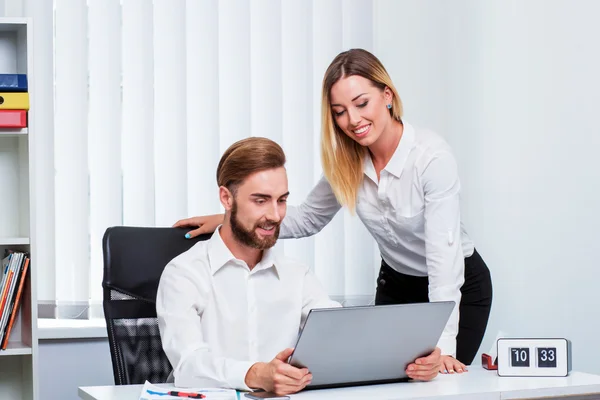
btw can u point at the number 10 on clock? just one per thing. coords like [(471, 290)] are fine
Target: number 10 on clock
[(519, 356)]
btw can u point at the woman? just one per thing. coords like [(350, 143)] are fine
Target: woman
[(403, 183)]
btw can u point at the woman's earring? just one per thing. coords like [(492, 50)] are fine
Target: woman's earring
[(389, 106)]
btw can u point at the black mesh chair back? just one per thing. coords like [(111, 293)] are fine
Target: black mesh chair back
[(134, 259)]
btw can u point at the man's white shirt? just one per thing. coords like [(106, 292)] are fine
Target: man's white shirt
[(217, 317)]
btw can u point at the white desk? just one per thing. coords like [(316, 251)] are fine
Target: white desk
[(477, 384)]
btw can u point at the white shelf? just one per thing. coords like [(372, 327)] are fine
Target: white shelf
[(16, 349), (13, 132), (12, 23), (18, 363), (13, 241)]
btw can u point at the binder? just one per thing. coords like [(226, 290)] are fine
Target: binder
[(13, 83), (14, 101), (13, 119)]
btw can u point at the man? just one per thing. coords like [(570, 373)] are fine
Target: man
[(229, 308)]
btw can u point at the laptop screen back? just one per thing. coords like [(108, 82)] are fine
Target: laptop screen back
[(372, 344)]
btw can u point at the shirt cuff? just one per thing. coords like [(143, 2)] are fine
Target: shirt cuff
[(447, 344), (237, 374)]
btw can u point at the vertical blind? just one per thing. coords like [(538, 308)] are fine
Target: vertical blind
[(135, 102)]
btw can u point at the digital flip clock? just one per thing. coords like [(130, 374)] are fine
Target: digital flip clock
[(533, 357)]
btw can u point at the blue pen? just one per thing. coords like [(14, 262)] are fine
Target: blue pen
[(156, 393)]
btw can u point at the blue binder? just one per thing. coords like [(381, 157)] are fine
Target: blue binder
[(13, 83)]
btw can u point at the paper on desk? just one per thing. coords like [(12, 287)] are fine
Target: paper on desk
[(153, 392)]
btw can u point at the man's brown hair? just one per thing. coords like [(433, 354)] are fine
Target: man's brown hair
[(246, 157)]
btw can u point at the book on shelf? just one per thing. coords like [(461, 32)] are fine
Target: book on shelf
[(14, 269), (14, 101), (13, 118), (13, 83)]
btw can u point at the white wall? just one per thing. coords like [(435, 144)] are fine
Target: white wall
[(514, 87)]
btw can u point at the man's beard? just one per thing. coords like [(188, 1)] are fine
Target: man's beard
[(250, 237)]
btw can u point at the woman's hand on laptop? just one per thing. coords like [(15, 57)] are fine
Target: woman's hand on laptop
[(451, 365), (278, 376), (425, 368)]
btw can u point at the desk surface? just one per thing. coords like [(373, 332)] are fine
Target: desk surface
[(475, 384)]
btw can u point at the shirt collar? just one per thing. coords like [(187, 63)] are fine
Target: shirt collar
[(219, 255), (396, 163)]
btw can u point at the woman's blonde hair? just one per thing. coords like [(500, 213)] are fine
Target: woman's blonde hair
[(343, 157)]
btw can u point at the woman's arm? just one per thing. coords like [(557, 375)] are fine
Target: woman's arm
[(313, 214), (443, 249), (300, 221)]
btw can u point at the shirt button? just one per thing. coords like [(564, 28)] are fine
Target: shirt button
[(382, 282)]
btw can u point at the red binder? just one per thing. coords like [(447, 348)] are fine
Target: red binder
[(13, 118)]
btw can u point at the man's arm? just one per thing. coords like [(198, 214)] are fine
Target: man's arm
[(179, 306)]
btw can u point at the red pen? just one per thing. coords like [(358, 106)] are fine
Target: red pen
[(185, 394)]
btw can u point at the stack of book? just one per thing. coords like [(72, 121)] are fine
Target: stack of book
[(14, 101), (14, 273)]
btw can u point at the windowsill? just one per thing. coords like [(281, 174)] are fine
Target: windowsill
[(50, 328), (95, 328)]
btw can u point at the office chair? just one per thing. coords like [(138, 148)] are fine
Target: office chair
[(134, 259)]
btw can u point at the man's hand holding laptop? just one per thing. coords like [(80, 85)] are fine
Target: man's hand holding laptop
[(278, 376)]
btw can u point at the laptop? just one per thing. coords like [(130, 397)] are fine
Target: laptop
[(368, 344)]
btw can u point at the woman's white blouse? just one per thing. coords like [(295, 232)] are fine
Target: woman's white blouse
[(412, 211)]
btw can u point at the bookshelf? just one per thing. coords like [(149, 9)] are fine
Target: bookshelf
[(18, 363)]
